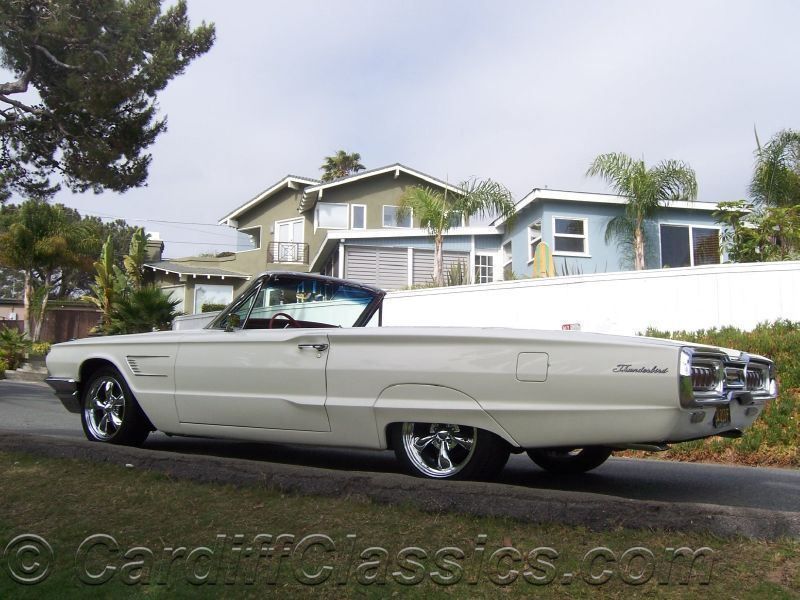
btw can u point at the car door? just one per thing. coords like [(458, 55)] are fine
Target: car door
[(259, 378)]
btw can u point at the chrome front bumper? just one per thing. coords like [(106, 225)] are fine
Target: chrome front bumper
[(67, 392)]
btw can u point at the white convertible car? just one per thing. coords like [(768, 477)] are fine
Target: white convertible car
[(301, 358)]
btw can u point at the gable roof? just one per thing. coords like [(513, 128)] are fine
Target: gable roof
[(313, 193), (537, 194), (288, 181)]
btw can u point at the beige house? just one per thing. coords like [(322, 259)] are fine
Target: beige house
[(347, 228)]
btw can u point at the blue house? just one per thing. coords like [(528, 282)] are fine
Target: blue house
[(574, 225)]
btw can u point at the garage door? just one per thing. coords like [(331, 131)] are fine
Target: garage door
[(423, 265), (385, 268)]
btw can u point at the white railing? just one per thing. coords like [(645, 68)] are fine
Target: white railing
[(626, 302)]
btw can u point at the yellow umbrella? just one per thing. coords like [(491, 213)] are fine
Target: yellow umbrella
[(543, 261)]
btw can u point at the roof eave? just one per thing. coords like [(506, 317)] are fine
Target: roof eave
[(267, 193), (312, 193)]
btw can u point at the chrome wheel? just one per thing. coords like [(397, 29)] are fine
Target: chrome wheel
[(104, 411), (438, 450)]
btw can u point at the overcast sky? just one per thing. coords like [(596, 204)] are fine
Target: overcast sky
[(526, 92)]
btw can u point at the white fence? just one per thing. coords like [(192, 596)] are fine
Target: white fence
[(625, 303)]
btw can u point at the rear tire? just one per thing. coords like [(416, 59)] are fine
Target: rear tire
[(110, 412), (448, 451), (569, 461)]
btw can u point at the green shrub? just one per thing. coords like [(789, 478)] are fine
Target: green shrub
[(3, 367), (40, 349), (212, 307), (13, 347), (457, 274)]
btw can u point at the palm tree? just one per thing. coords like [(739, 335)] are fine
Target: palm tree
[(776, 177), (646, 189), (110, 284), (341, 164), (142, 310), (439, 211)]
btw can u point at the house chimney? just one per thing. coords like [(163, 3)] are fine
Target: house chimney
[(154, 247)]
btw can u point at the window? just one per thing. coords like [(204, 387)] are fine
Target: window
[(705, 246), (484, 268), (455, 219), (391, 218), (358, 218), (332, 216), (569, 236), (686, 246), (288, 246), (534, 238), (248, 239), (205, 293)]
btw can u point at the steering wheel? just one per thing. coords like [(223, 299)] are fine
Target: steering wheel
[(289, 319)]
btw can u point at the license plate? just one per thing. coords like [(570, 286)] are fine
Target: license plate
[(722, 416)]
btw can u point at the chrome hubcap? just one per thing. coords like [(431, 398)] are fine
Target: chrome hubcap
[(105, 407), (438, 450)]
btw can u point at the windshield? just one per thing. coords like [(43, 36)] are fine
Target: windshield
[(307, 302)]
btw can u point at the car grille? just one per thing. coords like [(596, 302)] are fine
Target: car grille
[(704, 378), (719, 375)]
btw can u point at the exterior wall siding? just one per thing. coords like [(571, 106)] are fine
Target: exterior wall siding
[(373, 192)]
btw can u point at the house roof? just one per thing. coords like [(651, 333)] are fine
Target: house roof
[(288, 181), (313, 193), (547, 194), (177, 268), (334, 236)]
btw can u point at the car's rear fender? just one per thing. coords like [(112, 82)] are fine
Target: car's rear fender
[(421, 403)]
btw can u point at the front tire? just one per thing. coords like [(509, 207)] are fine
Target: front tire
[(110, 412), (569, 461), (448, 451)]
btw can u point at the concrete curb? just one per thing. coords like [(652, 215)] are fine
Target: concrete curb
[(594, 511)]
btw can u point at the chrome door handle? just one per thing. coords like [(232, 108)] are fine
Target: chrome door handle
[(317, 347)]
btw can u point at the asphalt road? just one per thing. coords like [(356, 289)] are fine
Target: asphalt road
[(30, 407)]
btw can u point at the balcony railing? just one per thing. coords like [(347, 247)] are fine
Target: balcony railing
[(287, 252)]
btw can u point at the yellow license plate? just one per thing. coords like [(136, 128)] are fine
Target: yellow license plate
[(722, 416)]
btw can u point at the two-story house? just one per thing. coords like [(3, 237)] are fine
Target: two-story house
[(351, 228)]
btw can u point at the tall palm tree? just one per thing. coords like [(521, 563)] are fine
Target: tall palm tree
[(341, 164), (438, 211), (646, 189), (776, 176)]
